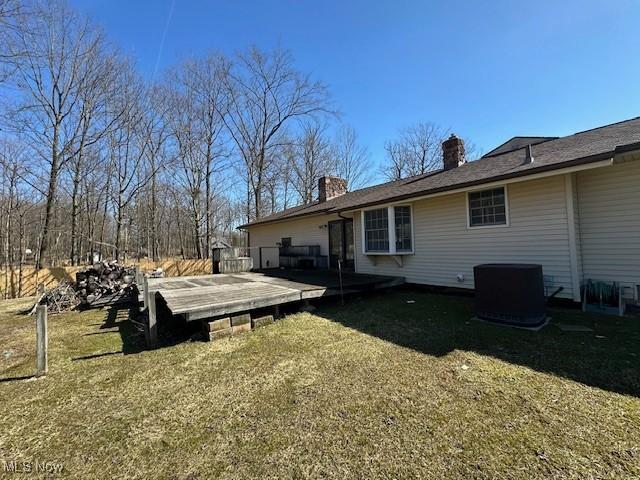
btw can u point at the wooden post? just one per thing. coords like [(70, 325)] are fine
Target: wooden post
[(141, 282), (340, 277), (152, 326), (621, 304), (137, 276), (41, 341)]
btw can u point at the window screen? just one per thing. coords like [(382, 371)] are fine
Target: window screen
[(487, 207)]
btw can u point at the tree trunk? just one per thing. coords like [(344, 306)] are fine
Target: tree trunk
[(6, 250), (119, 216), (51, 195), (104, 218), (209, 240), (181, 238), (74, 213), (257, 197), (154, 228), (248, 201), (22, 254), (196, 225)]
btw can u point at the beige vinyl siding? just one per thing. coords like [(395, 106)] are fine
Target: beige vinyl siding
[(445, 246), (303, 231), (609, 213)]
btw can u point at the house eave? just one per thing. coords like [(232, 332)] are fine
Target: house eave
[(489, 182), (584, 163)]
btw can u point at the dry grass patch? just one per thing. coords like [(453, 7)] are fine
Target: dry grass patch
[(377, 389)]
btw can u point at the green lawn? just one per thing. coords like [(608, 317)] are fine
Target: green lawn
[(380, 388)]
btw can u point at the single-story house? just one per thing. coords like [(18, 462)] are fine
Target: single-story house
[(571, 204)]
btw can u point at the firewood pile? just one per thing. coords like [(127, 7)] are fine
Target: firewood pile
[(103, 284), (108, 281), (60, 299)]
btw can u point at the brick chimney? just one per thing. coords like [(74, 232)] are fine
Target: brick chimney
[(453, 152), (331, 187)]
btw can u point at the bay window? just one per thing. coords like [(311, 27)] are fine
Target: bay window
[(388, 230)]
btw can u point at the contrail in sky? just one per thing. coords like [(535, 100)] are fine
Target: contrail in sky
[(164, 35)]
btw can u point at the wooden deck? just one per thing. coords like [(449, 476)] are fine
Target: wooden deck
[(210, 296)]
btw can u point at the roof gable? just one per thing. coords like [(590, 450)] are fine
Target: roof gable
[(516, 143)]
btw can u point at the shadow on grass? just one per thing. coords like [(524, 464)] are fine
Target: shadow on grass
[(437, 324), (15, 379), (128, 322), (96, 355)]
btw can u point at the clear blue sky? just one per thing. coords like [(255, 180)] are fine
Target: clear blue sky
[(487, 70)]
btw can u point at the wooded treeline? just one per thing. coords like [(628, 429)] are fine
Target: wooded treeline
[(96, 158)]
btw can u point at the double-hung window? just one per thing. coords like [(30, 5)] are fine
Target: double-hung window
[(376, 230), (488, 207), (403, 228), (388, 230)]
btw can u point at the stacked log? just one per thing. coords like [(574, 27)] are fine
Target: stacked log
[(104, 279)]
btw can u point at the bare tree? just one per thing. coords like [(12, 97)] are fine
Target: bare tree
[(351, 160), (423, 144), (265, 94), (127, 147), (15, 205), (416, 151), (205, 80), (10, 177), (9, 9), (472, 151), (94, 123), (156, 134), (311, 161), (50, 51), (190, 167), (12, 13), (287, 155), (112, 163), (396, 166)]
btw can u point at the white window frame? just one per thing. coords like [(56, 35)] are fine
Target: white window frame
[(506, 208), (391, 226)]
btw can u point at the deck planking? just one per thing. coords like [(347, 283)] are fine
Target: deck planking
[(206, 296)]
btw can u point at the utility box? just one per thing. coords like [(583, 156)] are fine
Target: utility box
[(510, 293)]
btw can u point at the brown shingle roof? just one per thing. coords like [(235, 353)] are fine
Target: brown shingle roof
[(583, 147), (515, 143)]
